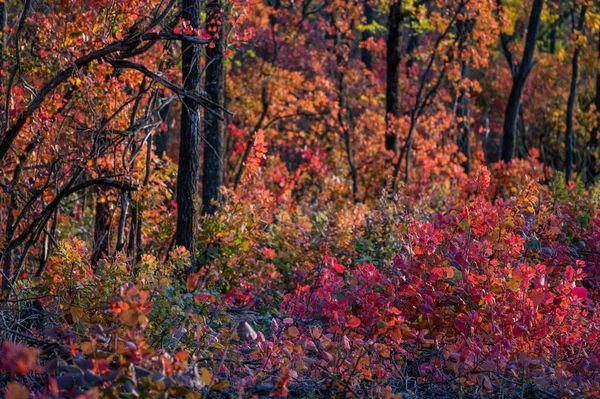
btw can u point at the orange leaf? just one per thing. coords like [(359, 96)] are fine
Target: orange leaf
[(353, 322), (192, 282), (181, 356), (14, 390), (293, 332)]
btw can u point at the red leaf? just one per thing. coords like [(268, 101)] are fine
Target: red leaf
[(338, 268), (460, 322), (580, 292)]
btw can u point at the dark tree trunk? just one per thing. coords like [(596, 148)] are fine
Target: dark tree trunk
[(462, 114), (571, 104), (102, 221), (392, 94), (411, 47), (134, 245), (366, 56), (122, 221), (49, 243), (344, 117), (214, 129), (594, 138), (8, 256), (593, 168), (520, 78), (161, 139), (189, 155), (10, 217), (2, 25)]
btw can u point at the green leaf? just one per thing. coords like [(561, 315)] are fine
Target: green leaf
[(457, 274)]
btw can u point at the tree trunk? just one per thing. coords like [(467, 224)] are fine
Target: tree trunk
[(214, 129), (102, 221), (411, 47), (519, 80), (343, 112), (462, 114), (2, 39), (189, 155), (571, 104), (592, 169), (366, 56), (122, 221), (161, 139), (594, 138), (392, 94)]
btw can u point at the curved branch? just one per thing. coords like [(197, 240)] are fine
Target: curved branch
[(209, 105), (127, 44)]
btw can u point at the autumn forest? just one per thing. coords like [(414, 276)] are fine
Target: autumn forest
[(394, 199)]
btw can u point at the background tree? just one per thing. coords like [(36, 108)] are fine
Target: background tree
[(578, 24), (392, 93), (214, 127), (189, 147), (520, 72)]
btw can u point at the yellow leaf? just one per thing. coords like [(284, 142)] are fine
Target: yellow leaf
[(513, 284), (129, 317), (87, 348), (205, 376), (315, 332), (221, 385)]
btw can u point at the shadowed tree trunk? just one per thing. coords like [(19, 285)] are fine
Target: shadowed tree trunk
[(161, 139), (462, 115), (214, 129), (344, 117), (411, 47), (592, 169), (189, 155), (2, 25), (571, 102), (366, 56), (392, 93), (594, 138), (519, 79), (102, 219)]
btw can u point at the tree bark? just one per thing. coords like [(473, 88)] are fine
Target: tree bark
[(392, 94), (214, 129), (571, 103), (161, 139), (102, 221), (462, 114), (189, 155), (594, 138), (411, 47), (519, 80), (122, 221), (342, 116), (2, 38), (366, 55)]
